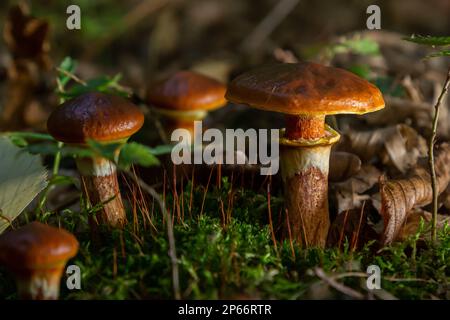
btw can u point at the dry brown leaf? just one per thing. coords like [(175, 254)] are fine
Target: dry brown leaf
[(397, 146), (343, 165), (399, 197), (412, 224), (27, 39), (417, 113), (349, 194), (25, 36)]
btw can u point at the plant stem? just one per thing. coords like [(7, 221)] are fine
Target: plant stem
[(170, 235), (431, 156), (57, 160)]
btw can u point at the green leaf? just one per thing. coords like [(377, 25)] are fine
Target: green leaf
[(52, 149), (362, 46), (361, 70), (135, 153), (30, 135), (106, 150), (62, 180), (429, 40), (69, 65), (22, 177), (103, 84), (162, 149), (388, 86)]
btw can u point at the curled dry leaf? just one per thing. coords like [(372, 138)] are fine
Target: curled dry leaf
[(343, 165), (349, 194), (399, 197), (397, 146)]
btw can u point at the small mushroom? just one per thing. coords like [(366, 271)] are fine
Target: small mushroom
[(185, 97), (37, 254), (105, 119), (306, 92)]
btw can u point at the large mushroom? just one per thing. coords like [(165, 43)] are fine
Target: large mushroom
[(185, 97), (306, 92), (37, 254), (105, 119)]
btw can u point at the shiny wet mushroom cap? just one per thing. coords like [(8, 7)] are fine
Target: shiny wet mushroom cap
[(97, 116), (187, 91), (305, 88), (37, 254)]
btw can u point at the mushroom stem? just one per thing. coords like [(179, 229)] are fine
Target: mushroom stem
[(304, 169), (101, 186), (305, 127), (40, 284)]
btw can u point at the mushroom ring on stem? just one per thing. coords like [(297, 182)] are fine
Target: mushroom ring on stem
[(37, 255), (305, 92), (105, 119)]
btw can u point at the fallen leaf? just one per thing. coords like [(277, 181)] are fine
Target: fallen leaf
[(349, 193), (397, 146), (25, 36), (343, 165), (22, 177), (399, 197)]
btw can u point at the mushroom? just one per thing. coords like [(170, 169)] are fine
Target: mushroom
[(105, 119), (185, 97), (306, 92), (37, 254)]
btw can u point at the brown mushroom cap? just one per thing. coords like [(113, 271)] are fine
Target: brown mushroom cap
[(96, 116), (305, 88), (187, 91), (36, 245)]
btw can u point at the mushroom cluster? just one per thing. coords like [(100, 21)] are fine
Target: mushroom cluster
[(306, 92)]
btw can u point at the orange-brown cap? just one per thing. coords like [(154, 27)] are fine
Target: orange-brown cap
[(305, 88), (187, 91), (36, 245), (96, 116)]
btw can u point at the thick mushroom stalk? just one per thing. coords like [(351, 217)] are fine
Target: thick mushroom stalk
[(304, 169), (101, 186)]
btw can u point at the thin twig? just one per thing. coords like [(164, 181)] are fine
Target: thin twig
[(338, 286), (269, 209), (71, 76), (268, 24), (431, 156), (172, 249)]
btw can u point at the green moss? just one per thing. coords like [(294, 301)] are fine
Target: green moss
[(236, 259)]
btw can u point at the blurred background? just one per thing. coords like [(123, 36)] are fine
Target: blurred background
[(145, 39)]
